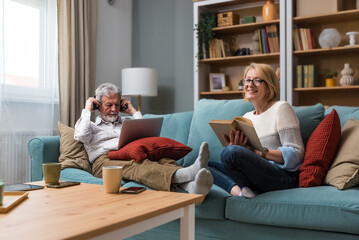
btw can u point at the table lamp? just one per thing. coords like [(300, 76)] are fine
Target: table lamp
[(139, 82)]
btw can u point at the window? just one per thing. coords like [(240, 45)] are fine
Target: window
[(29, 49)]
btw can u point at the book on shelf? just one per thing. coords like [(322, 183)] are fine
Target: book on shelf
[(216, 48), (304, 38), (260, 40), (300, 40), (275, 36), (263, 41), (296, 39), (266, 41), (311, 41), (270, 38), (223, 127), (306, 76), (299, 76), (312, 76)]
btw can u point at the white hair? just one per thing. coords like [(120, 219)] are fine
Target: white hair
[(106, 89)]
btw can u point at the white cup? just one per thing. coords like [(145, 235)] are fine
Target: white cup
[(112, 177)]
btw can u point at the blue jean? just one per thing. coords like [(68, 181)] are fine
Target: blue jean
[(240, 166)]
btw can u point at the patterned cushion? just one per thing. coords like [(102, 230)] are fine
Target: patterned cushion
[(321, 148), (152, 148)]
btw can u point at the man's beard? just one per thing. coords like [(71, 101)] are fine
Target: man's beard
[(111, 119)]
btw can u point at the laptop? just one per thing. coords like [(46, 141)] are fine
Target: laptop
[(133, 129)]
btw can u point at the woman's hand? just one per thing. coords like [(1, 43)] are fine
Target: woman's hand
[(237, 138)]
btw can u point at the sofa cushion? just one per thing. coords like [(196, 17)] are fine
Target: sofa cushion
[(309, 118), (152, 148), (345, 113), (320, 151), (322, 208), (344, 172), (214, 205), (175, 126), (78, 175), (72, 152), (200, 131)]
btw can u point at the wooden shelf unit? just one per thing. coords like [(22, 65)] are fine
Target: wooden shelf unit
[(327, 59), (240, 36)]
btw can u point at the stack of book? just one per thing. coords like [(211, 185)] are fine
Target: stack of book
[(218, 49), (303, 39), (307, 76), (268, 39)]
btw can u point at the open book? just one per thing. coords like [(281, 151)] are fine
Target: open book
[(223, 127)]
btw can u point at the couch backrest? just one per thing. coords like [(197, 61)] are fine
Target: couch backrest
[(345, 113), (200, 131), (206, 110)]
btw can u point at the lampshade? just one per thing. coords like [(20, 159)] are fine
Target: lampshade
[(139, 82)]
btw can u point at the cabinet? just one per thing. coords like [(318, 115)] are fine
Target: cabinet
[(240, 36), (287, 60), (324, 59)]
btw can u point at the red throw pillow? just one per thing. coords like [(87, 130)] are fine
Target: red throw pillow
[(321, 148), (152, 148)]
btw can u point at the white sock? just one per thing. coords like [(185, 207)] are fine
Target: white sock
[(247, 193), (188, 174), (201, 184)]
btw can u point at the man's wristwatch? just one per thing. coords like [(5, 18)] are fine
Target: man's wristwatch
[(264, 153)]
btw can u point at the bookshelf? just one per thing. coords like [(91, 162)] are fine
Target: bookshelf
[(325, 59), (288, 58), (239, 36)]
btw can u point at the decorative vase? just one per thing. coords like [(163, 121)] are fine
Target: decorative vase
[(330, 82), (329, 37), (352, 37), (347, 78), (269, 11)]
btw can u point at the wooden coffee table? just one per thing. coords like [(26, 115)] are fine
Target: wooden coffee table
[(85, 211)]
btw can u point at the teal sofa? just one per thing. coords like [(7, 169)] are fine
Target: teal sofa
[(303, 213)]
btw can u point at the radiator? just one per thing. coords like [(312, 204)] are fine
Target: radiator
[(15, 163)]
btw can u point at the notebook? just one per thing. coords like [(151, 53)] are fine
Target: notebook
[(133, 129)]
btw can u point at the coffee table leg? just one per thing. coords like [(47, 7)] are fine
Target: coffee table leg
[(187, 223)]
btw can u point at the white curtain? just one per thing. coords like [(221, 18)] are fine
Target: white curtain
[(28, 81)]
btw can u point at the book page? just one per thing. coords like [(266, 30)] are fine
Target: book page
[(222, 127), (246, 126)]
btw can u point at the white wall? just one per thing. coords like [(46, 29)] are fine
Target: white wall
[(114, 40)]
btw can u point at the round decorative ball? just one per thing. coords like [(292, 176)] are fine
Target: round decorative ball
[(329, 37)]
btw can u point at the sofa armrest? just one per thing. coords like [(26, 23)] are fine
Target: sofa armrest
[(41, 150)]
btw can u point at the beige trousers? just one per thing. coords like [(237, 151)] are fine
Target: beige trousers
[(155, 174)]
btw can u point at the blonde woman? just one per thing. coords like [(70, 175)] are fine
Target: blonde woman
[(245, 171)]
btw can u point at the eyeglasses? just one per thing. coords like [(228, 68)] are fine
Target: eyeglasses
[(255, 82)]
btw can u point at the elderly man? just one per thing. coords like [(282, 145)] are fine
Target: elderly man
[(102, 136)]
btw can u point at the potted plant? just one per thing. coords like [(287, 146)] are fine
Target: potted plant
[(330, 78), (206, 23)]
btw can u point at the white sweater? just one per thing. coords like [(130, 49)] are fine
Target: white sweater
[(278, 128)]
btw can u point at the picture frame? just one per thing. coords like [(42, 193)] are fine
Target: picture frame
[(217, 81)]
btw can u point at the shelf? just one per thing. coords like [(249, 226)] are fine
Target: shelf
[(246, 58), (334, 50), (242, 28), (341, 16), (323, 89)]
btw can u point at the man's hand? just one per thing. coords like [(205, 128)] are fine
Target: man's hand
[(89, 103), (237, 138), (130, 109)]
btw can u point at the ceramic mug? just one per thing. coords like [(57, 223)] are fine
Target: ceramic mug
[(112, 177), (51, 172)]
